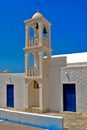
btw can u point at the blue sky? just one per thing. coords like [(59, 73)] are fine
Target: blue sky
[(68, 31)]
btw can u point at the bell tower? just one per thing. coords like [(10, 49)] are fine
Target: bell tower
[(38, 52)]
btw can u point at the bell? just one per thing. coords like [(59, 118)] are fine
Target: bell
[(44, 30), (36, 26)]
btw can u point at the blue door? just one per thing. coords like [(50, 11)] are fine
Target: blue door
[(69, 97), (10, 95)]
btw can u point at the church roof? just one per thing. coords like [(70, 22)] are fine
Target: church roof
[(74, 57)]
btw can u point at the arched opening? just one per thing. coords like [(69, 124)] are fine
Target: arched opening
[(36, 93), (45, 34), (31, 33), (33, 94), (36, 85), (45, 55), (31, 60)]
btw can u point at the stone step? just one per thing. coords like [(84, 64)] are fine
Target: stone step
[(34, 109)]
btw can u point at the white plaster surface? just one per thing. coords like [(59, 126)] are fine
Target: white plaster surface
[(19, 89), (54, 89), (77, 75), (39, 120)]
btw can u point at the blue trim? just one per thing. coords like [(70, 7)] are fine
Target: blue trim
[(32, 125)]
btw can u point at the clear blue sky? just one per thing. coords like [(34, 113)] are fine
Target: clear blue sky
[(68, 32)]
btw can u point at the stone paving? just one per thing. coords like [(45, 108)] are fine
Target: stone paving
[(72, 121)]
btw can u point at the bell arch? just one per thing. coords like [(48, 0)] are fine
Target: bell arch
[(31, 32), (31, 35), (31, 60), (45, 32)]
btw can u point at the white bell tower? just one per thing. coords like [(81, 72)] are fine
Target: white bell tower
[(38, 52)]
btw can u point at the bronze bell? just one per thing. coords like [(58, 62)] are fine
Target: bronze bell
[(36, 25), (44, 30)]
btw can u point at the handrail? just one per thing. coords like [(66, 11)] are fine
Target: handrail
[(33, 72), (35, 42)]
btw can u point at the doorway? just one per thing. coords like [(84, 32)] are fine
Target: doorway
[(33, 94), (36, 94), (69, 97), (10, 95)]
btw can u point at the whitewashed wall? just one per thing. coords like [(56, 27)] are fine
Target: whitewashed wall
[(54, 99), (77, 75), (19, 89)]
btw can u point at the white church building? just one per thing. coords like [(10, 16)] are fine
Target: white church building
[(54, 83)]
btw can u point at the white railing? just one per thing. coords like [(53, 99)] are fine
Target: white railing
[(33, 42), (33, 72)]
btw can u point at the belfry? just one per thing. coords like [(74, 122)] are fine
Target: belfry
[(38, 51)]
